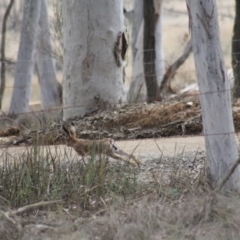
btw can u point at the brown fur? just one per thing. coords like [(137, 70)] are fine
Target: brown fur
[(106, 146)]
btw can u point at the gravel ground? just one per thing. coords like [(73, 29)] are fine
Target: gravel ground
[(191, 163)]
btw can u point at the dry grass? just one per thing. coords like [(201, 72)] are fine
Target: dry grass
[(39, 174), (189, 218), (102, 200)]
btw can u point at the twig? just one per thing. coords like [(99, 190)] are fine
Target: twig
[(6, 217), (158, 148), (172, 123), (219, 187), (105, 205), (32, 207), (5, 200)]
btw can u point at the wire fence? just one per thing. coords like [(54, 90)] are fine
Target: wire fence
[(177, 147), (198, 94), (129, 78), (106, 76), (146, 145)]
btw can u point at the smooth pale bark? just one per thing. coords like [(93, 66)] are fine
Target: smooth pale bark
[(45, 63), (159, 62), (25, 59), (2, 50), (91, 74), (215, 97), (137, 90), (136, 25)]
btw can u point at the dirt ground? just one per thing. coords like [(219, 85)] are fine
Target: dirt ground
[(160, 146), (167, 138)]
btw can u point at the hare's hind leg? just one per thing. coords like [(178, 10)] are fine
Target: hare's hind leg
[(129, 156), (113, 155), (137, 161), (116, 150)]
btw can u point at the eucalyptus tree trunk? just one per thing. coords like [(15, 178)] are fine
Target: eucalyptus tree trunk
[(2, 51), (25, 60), (136, 25), (236, 50), (148, 54), (92, 55), (50, 96), (159, 61), (137, 90), (215, 97)]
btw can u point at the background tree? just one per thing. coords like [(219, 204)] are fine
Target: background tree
[(149, 56), (25, 59), (137, 89), (215, 98), (147, 50), (137, 19), (92, 55), (45, 63), (236, 49), (159, 61), (3, 41)]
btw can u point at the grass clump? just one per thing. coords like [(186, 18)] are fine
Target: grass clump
[(39, 173)]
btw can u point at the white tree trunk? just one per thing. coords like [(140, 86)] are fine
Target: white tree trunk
[(159, 62), (137, 90), (91, 72), (136, 25), (45, 63), (214, 92), (25, 59)]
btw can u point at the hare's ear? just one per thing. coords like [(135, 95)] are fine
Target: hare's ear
[(65, 130)]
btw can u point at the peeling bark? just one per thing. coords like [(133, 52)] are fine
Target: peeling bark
[(91, 75)]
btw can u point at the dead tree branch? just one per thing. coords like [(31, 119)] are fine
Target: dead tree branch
[(32, 207), (171, 71)]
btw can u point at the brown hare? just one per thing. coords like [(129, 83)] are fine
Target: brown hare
[(106, 146)]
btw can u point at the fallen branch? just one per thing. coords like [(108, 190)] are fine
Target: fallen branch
[(220, 186), (172, 123), (32, 207), (171, 71)]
